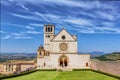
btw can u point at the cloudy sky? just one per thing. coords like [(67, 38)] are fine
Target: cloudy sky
[(96, 23)]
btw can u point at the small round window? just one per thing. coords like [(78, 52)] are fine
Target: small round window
[(48, 36), (63, 37)]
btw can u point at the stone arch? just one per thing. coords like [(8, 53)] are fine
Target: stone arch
[(63, 61)]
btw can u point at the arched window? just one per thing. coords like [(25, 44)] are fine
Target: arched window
[(86, 64), (46, 29), (51, 29), (44, 53), (40, 53), (44, 64)]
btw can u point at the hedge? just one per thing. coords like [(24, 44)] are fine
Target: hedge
[(81, 69), (46, 70)]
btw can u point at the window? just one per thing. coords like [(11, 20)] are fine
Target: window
[(44, 64), (48, 29), (63, 37), (51, 29), (47, 36), (40, 53), (86, 64)]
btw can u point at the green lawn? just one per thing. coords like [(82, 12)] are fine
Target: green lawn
[(67, 75)]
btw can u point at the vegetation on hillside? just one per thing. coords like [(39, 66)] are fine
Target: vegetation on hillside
[(109, 57), (17, 56)]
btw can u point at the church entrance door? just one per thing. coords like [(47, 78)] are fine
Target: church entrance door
[(63, 61)]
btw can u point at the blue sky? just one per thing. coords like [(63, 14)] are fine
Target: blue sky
[(96, 23)]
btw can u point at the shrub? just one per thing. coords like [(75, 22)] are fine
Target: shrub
[(81, 69), (46, 70)]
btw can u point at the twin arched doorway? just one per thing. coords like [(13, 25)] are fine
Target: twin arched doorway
[(63, 61)]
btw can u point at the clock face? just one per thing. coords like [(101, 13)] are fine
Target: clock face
[(63, 46)]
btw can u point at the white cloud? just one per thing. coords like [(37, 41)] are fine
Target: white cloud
[(32, 32), (108, 24), (38, 16), (105, 15), (70, 3), (21, 35), (79, 22), (4, 2), (95, 29), (22, 6), (29, 27), (17, 34), (20, 26), (88, 14), (108, 29), (41, 15), (29, 17), (52, 16), (86, 31), (6, 37), (27, 37), (25, 33), (36, 24), (101, 11), (2, 32)]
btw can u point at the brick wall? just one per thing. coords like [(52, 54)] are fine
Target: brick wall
[(111, 67)]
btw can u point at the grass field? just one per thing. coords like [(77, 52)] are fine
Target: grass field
[(67, 75)]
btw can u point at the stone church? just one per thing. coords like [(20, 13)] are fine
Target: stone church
[(60, 51)]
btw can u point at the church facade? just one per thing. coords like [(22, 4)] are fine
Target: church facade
[(60, 51)]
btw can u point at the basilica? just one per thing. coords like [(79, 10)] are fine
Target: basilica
[(60, 51)]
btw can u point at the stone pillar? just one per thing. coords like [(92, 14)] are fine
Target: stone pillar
[(7, 68)]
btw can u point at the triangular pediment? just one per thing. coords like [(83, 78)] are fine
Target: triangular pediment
[(63, 32)]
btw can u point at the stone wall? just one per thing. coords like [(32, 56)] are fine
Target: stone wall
[(1, 68), (111, 67)]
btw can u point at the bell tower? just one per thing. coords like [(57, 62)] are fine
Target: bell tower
[(49, 31)]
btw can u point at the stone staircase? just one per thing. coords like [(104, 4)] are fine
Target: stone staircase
[(65, 69)]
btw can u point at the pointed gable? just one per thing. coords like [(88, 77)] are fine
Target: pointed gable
[(64, 33)]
